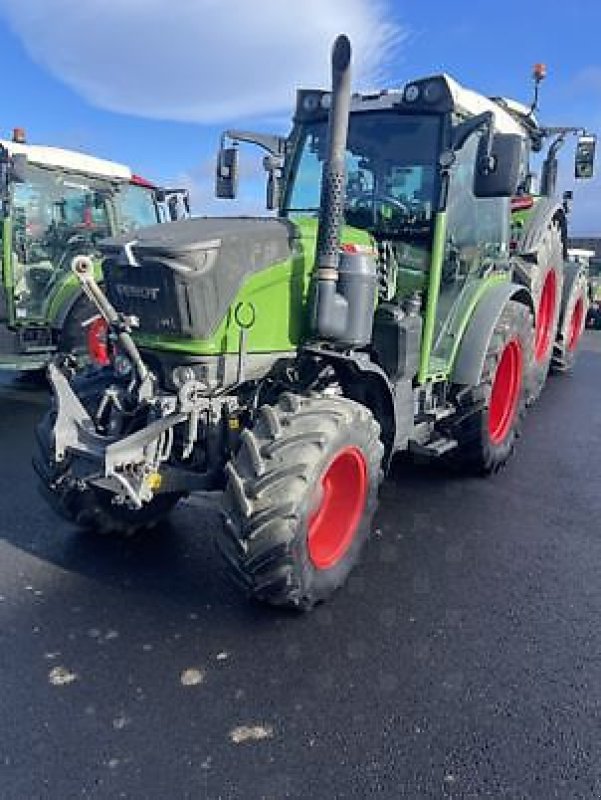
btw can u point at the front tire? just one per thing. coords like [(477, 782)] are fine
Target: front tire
[(300, 498), (86, 506), (84, 335)]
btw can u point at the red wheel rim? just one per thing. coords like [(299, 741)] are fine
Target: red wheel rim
[(97, 342), (334, 524), (505, 392), (576, 325), (545, 317)]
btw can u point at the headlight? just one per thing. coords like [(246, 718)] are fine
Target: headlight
[(311, 103), (432, 92), (412, 93)]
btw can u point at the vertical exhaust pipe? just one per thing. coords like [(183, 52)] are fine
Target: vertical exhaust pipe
[(345, 283), (333, 180)]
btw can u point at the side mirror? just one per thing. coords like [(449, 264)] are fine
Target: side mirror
[(173, 208), (498, 176), (584, 164), (18, 168), (226, 178)]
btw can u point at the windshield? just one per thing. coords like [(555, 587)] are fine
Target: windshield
[(135, 207), (390, 169), (55, 216)]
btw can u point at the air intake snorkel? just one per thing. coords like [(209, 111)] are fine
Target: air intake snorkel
[(345, 282)]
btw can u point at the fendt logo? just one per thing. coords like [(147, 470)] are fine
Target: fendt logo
[(137, 292)]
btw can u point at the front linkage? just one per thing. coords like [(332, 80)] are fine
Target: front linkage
[(127, 433)]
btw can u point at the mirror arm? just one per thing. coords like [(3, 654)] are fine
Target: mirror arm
[(464, 130), (554, 130), (275, 145)]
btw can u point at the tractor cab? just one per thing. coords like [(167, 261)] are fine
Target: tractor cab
[(436, 176), (57, 204), (420, 187)]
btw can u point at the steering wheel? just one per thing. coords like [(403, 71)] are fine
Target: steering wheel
[(366, 201)]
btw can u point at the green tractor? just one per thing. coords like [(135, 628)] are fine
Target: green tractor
[(55, 204), (593, 319), (283, 361)]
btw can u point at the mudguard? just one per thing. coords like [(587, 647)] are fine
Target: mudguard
[(65, 309), (545, 210), (469, 361), (365, 382)]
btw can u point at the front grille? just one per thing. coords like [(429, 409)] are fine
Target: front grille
[(152, 294)]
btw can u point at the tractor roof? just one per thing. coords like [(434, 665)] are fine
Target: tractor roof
[(69, 160), (435, 93), (577, 252), (472, 103)]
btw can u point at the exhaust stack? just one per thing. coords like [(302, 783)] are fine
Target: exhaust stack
[(331, 207), (345, 282)]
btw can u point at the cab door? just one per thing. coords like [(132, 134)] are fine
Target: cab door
[(476, 246)]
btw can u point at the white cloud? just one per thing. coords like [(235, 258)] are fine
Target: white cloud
[(588, 79), (200, 60)]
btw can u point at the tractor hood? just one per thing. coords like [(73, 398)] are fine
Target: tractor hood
[(249, 243), (181, 278)]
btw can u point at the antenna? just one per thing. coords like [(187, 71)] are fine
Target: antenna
[(539, 73)]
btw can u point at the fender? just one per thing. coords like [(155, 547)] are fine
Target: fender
[(65, 298), (65, 309), (365, 382), (469, 361), (544, 212)]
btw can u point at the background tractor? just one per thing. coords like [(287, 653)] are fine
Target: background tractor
[(56, 204), (593, 265), (398, 302)]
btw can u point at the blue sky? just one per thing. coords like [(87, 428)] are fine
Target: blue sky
[(152, 83)]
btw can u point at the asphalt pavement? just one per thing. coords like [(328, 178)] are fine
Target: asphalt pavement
[(463, 659)]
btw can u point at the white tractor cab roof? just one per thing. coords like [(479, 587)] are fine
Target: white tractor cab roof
[(471, 103), (580, 256), (70, 160), (434, 93)]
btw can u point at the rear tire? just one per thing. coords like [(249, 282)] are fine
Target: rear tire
[(571, 326), (544, 278), (490, 413), (300, 498)]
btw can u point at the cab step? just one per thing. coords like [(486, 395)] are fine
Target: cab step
[(434, 449)]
